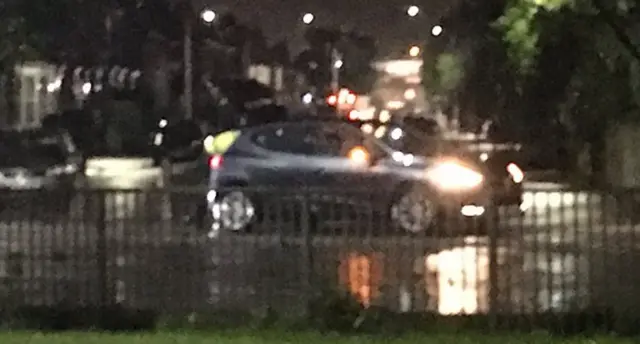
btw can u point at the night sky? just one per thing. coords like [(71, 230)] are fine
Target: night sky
[(384, 19)]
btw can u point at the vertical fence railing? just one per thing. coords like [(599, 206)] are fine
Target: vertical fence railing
[(578, 251), (307, 250), (102, 249), (493, 284)]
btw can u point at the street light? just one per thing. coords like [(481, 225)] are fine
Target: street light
[(338, 64), (436, 31), (208, 16), (308, 18), (410, 94), (414, 51), (413, 11)]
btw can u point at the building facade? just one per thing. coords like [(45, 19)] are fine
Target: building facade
[(38, 88), (38, 85)]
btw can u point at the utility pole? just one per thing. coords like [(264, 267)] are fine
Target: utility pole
[(336, 64), (188, 69)]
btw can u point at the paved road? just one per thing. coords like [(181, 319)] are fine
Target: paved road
[(561, 244)]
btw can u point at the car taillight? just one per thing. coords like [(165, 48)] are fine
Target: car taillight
[(215, 162), (516, 173)]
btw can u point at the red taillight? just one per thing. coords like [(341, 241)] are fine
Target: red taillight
[(215, 162)]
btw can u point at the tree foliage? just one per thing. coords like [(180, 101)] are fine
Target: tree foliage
[(464, 67), (522, 31), (594, 39), (357, 52), (578, 63), (28, 28), (450, 71)]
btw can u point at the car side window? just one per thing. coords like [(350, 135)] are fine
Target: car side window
[(290, 139), (336, 140)]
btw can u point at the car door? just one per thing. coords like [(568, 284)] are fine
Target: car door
[(355, 183), (285, 156)]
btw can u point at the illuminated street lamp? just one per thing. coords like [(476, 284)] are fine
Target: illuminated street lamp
[(308, 18), (410, 94), (208, 16), (436, 31), (413, 11), (414, 51)]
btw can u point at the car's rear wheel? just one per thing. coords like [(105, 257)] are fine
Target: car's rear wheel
[(234, 211), (240, 211)]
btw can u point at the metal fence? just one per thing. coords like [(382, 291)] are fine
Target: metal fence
[(568, 251)]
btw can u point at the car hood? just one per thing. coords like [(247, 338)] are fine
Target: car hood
[(419, 164)]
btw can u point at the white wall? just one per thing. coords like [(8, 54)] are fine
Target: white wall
[(267, 75), (623, 156), (39, 84)]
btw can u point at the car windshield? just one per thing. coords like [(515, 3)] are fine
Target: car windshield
[(379, 144), (407, 140)]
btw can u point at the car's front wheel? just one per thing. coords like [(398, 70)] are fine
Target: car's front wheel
[(413, 211), (418, 211)]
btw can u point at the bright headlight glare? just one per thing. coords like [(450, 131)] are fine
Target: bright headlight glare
[(453, 176)]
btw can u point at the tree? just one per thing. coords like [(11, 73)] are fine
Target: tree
[(588, 48), (280, 53), (256, 42), (39, 29), (357, 52), (35, 30), (463, 68)]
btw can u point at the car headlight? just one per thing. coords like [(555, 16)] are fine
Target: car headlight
[(453, 176)]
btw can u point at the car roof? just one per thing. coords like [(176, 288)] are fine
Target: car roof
[(295, 120)]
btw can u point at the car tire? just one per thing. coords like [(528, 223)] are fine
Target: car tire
[(256, 216), (416, 211), (413, 211), (235, 211)]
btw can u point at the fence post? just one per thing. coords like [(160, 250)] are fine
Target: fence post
[(493, 231), (164, 185), (306, 250), (102, 254)]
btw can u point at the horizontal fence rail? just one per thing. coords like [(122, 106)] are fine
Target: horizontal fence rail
[(561, 251)]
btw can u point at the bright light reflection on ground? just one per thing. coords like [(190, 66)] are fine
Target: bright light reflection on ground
[(462, 277)]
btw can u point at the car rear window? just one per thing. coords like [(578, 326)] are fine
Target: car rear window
[(292, 139)]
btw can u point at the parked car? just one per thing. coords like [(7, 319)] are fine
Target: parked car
[(417, 193), (38, 167)]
